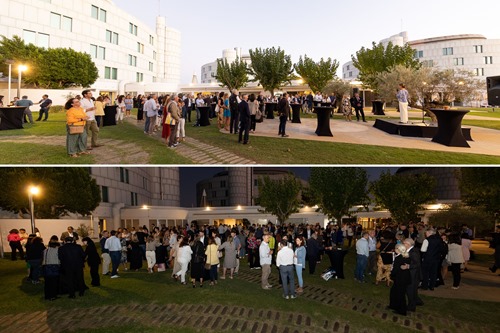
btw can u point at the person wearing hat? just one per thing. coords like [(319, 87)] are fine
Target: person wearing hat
[(70, 233), (72, 258)]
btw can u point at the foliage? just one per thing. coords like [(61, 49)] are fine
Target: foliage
[(336, 190), (379, 59), (280, 197), (316, 74), (403, 195), (480, 188), (340, 88), (49, 68), (457, 215), (271, 67), (84, 230), (63, 191), (232, 76)]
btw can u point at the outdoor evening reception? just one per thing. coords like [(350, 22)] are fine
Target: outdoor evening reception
[(262, 166)]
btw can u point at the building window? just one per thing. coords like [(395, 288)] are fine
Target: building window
[(144, 183), (214, 194), (139, 77), (428, 63), (350, 74), (132, 28), (458, 61), (55, 20), (209, 68), (102, 15), (133, 199), (419, 54), (111, 37), (94, 12), (140, 47), (154, 55), (98, 13), (104, 194), (479, 71), (223, 203), (448, 51), (132, 60), (348, 67), (97, 52), (478, 48), (36, 38), (124, 175), (222, 183), (151, 40), (67, 23), (488, 60), (110, 73), (150, 66)]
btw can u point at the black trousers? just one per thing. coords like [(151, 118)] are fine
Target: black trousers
[(16, 246), (74, 281), (94, 274), (244, 129), (455, 270), (51, 286), (358, 111), (282, 126), (233, 122), (429, 273), (42, 111), (412, 292), (312, 263)]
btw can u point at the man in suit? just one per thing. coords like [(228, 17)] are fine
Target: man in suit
[(283, 111), (72, 259), (233, 106), (414, 267), (357, 104), (69, 233), (313, 249), (244, 113)]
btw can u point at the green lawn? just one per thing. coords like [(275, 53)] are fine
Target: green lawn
[(144, 289)]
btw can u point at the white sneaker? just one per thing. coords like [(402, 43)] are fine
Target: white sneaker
[(115, 277)]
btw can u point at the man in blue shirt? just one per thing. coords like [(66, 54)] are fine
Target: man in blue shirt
[(27, 112), (362, 253), (45, 104)]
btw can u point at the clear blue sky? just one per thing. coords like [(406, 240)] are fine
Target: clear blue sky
[(320, 28)]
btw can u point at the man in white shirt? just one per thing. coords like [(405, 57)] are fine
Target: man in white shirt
[(372, 257), (114, 246), (88, 105), (362, 253), (284, 261), (265, 256), (151, 110)]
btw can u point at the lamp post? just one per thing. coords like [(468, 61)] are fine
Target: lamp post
[(20, 70), (32, 190), (9, 62)]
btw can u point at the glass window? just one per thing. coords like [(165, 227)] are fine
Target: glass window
[(114, 73), (458, 61), (132, 28), (29, 37), (132, 60), (55, 20), (109, 36), (94, 12), (115, 38), (488, 60), (104, 194), (140, 47), (139, 77), (102, 15), (478, 48), (150, 66), (93, 51), (448, 51), (43, 40), (67, 23), (154, 55), (107, 72), (101, 53), (479, 71), (111, 74)]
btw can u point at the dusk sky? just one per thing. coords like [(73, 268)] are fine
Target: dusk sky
[(320, 28)]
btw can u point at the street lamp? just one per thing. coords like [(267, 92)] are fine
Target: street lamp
[(32, 190), (9, 62), (20, 70)]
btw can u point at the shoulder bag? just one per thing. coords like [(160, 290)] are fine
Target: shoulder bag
[(76, 129)]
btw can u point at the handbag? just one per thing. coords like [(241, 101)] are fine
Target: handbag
[(50, 270), (168, 118), (76, 129), (217, 109)]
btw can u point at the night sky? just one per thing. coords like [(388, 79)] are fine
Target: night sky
[(190, 176)]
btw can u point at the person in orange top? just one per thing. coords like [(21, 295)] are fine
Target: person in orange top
[(75, 143)]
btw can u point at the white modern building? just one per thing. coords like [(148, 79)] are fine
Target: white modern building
[(208, 71), (130, 56), (474, 53)]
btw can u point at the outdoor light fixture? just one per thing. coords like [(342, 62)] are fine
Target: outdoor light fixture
[(144, 207), (32, 190), (239, 207), (208, 208)]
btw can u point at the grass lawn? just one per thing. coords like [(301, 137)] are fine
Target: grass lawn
[(143, 289)]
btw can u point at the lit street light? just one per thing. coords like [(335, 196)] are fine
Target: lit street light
[(32, 190), (10, 63), (20, 69)]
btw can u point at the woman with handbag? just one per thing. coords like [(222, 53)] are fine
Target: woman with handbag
[(51, 269), (76, 135), (212, 262), (197, 262)]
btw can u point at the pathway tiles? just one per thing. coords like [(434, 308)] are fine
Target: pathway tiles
[(420, 321), (209, 318)]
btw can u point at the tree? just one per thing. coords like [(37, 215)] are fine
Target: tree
[(50, 68), (280, 197), (480, 188), (340, 88), (403, 195), (380, 59), (232, 76), (336, 190), (271, 68), (316, 74), (64, 191), (457, 215)]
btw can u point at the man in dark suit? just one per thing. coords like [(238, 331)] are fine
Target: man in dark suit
[(283, 111), (313, 249), (69, 233), (72, 259), (357, 104), (233, 106), (414, 267), (244, 112)]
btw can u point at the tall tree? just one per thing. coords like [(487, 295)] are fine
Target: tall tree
[(280, 197), (458, 215), (480, 188), (271, 67), (50, 68), (379, 59), (233, 75), (403, 195), (336, 190), (64, 191), (317, 74), (340, 88)]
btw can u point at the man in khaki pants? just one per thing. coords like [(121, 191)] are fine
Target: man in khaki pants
[(265, 261), (106, 259)]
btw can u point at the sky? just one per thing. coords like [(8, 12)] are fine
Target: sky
[(190, 176), (318, 28)]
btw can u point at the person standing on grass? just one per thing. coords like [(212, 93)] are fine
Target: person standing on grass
[(244, 114), (93, 260), (151, 110), (114, 246), (129, 104), (88, 105), (300, 261), (265, 255), (234, 101), (313, 250), (400, 274), (45, 104), (415, 274), (151, 246), (183, 258), (372, 257), (357, 104), (72, 260), (106, 259), (230, 252), (362, 254), (51, 280), (284, 261), (15, 244), (455, 258), (34, 254), (197, 261), (26, 103), (283, 111), (76, 144)]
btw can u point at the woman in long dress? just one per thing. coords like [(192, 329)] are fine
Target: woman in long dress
[(197, 262), (400, 274), (230, 252)]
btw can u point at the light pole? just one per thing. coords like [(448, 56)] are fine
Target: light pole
[(9, 62), (32, 190), (20, 70)]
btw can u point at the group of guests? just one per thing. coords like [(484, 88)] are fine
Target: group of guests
[(45, 103)]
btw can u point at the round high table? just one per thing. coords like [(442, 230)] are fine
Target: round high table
[(11, 117), (204, 113), (449, 131), (296, 113), (378, 108), (270, 108), (323, 115)]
